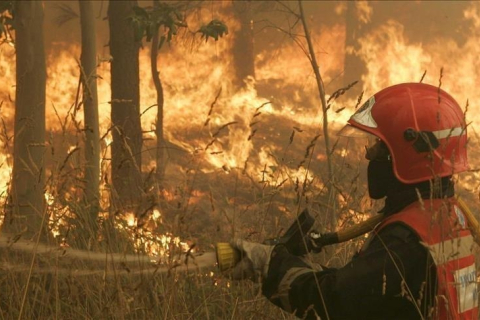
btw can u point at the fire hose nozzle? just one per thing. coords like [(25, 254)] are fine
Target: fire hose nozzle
[(227, 256), (293, 239)]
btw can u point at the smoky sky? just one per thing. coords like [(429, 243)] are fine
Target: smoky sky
[(422, 20)]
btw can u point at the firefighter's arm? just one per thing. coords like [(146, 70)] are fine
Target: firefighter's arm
[(254, 263), (374, 278)]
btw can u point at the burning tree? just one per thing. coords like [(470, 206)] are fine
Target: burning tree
[(125, 100), (90, 107), (159, 24), (243, 48), (353, 64), (147, 24), (27, 202)]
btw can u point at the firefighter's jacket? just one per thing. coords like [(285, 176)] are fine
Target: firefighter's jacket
[(443, 229), (417, 264)]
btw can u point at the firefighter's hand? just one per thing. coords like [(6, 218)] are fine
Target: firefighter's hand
[(255, 262)]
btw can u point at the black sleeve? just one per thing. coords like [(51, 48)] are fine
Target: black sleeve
[(387, 280)]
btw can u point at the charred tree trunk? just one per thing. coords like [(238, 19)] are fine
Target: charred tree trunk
[(90, 105), (160, 154), (243, 45), (126, 127), (354, 67), (27, 191)]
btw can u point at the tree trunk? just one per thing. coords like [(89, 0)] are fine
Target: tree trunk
[(243, 45), (160, 154), (354, 67), (27, 192), (90, 105), (126, 127)]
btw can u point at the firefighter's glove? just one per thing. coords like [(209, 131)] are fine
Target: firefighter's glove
[(255, 260)]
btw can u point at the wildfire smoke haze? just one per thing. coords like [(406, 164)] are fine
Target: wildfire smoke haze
[(242, 159)]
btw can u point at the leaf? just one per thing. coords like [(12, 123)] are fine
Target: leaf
[(178, 15), (6, 6), (151, 19), (181, 24), (139, 30), (174, 30), (150, 28), (140, 12), (214, 29)]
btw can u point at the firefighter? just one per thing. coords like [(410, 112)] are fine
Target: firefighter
[(418, 262)]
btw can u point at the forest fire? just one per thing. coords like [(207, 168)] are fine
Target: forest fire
[(234, 140), (236, 131)]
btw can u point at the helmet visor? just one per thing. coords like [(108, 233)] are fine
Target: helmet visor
[(375, 148), (351, 132)]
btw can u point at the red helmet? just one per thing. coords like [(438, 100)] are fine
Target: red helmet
[(423, 128)]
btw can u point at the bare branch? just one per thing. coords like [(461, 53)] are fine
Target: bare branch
[(65, 14)]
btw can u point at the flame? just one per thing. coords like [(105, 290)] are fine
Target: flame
[(131, 219), (392, 58), (156, 215), (364, 11)]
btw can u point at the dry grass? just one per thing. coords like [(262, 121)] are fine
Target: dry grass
[(256, 201), (203, 208), (66, 293)]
